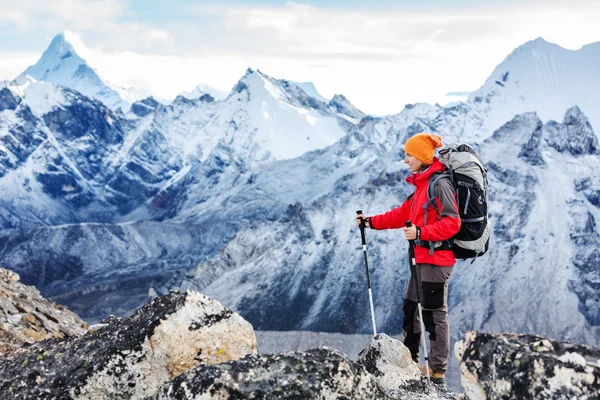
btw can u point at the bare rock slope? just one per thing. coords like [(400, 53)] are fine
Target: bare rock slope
[(26, 316)]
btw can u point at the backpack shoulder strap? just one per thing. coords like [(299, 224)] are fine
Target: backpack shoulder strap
[(431, 197), (435, 178)]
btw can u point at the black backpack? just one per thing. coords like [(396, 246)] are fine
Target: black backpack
[(469, 177)]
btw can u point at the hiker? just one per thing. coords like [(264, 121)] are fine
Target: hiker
[(434, 259)]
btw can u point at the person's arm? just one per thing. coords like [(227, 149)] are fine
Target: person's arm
[(449, 223), (392, 219)]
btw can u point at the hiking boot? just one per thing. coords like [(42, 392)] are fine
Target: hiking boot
[(436, 377)]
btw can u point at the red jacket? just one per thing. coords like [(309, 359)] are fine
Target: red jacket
[(412, 210)]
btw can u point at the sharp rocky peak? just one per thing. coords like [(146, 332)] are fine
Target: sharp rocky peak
[(61, 45)]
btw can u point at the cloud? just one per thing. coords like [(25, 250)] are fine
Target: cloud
[(104, 23), (81, 14), (379, 59), (12, 64)]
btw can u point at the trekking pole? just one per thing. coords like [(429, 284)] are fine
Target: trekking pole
[(413, 271), (364, 246)]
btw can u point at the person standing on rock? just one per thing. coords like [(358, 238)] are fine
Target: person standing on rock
[(434, 265)]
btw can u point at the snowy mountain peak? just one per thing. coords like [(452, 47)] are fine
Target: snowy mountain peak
[(574, 135), (61, 64), (340, 104), (260, 85), (543, 77), (144, 107), (534, 45), (310, 89), (265, 118), (59, 57), (61, 45), (202, 90), (539, 41), (574, 115)]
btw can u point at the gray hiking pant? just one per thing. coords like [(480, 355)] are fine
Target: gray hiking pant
[(433, 285)]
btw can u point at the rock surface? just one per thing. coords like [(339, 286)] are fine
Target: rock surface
[(26, 317), (390, 362), (132, 357), (396, 374), (322, 373), (511, 366), (185, 345)]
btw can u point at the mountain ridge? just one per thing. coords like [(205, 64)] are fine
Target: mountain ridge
[(272, 234)]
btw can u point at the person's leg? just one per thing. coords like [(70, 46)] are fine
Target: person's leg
[(410, 324), (435, 314)]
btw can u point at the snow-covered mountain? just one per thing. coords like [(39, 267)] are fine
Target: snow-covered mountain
[(536, 77), (61, 64), (111, 165), (541, 77), (203, 89), (252, 200), (311, 90), (262, 119)]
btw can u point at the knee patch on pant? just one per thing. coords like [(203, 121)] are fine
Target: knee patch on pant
[(433, 294), (429, 324), (411, 340), (409, 308)]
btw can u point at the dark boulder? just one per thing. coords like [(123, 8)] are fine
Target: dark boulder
[(512, 366), (322, 373)]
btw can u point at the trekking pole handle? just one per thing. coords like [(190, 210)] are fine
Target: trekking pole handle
[(363, 223), (408, 224), (362, 231)]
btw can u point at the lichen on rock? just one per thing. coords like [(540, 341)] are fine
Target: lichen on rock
[(511, 366), (322, 373), (130, 357)]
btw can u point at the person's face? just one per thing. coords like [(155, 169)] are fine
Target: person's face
[(414, 165)]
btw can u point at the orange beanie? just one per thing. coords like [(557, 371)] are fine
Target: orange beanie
[(422, 146)]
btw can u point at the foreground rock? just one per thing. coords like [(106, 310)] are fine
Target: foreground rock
[(396, 374), (389, 361), (26, 317), (322, 373), (511, 366), (132, 357)]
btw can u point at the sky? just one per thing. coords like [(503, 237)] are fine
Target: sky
[(380, 54)]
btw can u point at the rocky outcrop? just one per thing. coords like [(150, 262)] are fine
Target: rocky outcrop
[(574, 135), (322, 373), (8, 101), (26, 317), (144, 107), (340, 104), (396, 374), (185, 345), (129, 358), (511, 366)]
